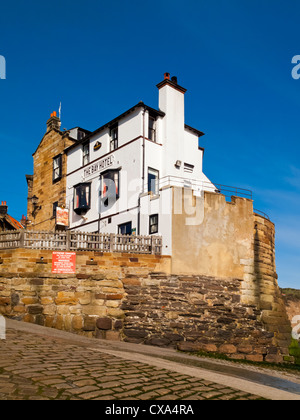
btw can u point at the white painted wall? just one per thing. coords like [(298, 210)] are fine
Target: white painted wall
[(173, 142)]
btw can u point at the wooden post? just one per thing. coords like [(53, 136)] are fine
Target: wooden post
[(111, 242), (152, 244), (22, 238), (68, 240)]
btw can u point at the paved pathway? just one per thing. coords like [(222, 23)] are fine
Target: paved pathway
[(39, 363)]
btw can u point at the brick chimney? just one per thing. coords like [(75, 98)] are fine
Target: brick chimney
[(171, 102), (3, 208), (54, 122)]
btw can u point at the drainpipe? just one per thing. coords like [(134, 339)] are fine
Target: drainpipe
[(143, 177)]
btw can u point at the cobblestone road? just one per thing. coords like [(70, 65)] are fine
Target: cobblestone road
[(34, 367)]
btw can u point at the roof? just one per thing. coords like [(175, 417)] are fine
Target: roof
[(112, 122), (194, 130), (141, 104), (11, 221)]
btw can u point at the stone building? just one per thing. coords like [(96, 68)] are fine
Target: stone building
[(47, 185)]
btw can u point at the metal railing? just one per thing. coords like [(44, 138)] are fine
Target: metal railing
[(81, 241), (199, 185), (261, 213)]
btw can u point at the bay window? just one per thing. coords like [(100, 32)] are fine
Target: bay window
[(109, 188), (82, 198)]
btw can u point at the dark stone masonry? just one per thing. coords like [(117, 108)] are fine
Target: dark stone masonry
[(195, 313)]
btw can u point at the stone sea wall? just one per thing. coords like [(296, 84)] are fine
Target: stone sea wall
[(136, 298)]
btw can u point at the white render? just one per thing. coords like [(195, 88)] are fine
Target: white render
[(175, 154)]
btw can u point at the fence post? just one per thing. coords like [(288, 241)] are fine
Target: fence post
[(68, 240), (22, 238), (111, 242), (152, 244)]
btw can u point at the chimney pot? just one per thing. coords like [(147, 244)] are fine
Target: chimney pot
[(167, 76), (174, 79)]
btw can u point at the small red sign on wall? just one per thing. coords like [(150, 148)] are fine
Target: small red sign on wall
[(63, 262)]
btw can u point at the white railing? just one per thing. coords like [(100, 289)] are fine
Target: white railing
[(81, 241)]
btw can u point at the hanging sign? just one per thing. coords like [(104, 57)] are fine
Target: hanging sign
[(62, 216)]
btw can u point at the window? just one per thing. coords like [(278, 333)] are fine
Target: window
[(80, 135), (114, 137), (54, 207), (109, 187), (85, 154), (151, 129), (153, 176), (82, 196), (153, 224), (125, 228), (57, 168)]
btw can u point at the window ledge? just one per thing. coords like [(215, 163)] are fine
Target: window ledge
[(154, 196)]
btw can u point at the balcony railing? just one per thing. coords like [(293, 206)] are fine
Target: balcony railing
[(199, 185), (81, 241)]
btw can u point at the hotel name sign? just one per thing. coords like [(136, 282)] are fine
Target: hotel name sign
[(99, 166)]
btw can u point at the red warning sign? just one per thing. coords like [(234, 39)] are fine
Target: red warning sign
[(63, 262)]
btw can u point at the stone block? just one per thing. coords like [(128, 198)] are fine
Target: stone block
[(66, 298), (89, 324), (245, 348), (135, 333), (113, 335), (94, 310), (227, 349), (77, 322), (35, 309), (104, 323), (84, 298), (115, 312), (118, 324)]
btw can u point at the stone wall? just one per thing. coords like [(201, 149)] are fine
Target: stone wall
[(87, 303), (195, 313), (211, 236), (261, 283), (136, 299)]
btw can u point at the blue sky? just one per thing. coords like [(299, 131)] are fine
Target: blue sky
[(99, 58)]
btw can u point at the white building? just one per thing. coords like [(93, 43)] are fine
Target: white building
[(120, 177)]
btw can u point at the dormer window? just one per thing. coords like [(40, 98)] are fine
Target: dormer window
[(114, 137), (82, 198)]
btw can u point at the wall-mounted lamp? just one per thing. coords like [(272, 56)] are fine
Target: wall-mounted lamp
[(34, 201)]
